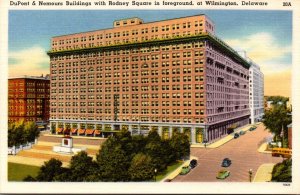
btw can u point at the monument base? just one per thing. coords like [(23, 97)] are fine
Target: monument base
[(67, 150), (66, 146)]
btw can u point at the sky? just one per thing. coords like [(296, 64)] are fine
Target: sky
[(266, 36)]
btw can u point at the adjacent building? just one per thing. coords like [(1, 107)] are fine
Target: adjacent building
[(171, 75), (256, 90), (28, 99), (256, 93)]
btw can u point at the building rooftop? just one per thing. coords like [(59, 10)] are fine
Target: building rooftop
[(46, 77)]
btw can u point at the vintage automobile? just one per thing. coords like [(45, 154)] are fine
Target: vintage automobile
[(252, 128), (185, 170), (223, 174), (226, 162), (193, 163)]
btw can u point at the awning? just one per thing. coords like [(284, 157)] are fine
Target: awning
[(74, 130), (59, 130), (89, 131), (97, 132), (81, 131)]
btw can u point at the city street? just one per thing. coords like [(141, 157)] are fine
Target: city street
[(243, 153)]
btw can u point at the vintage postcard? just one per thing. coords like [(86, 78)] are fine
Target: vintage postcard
[(154, 96)]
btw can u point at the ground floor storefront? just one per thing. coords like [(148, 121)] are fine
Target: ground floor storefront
[(197, 133)]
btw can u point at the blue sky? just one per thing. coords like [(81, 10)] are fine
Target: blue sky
[(266, 36)]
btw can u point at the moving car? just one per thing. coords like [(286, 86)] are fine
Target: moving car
[(226, 162), (236, 135), (193, 163), (185, 170), (223, 174), (242, 132)]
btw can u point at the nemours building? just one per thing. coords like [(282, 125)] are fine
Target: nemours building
[(171, 76)]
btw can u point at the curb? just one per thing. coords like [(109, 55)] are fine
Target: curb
[(262, 149), (176, 172), (225, 139)]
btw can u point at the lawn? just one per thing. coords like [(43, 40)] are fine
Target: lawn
[(170, 169), (17, 172)]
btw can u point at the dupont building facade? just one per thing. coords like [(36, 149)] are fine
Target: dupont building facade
[(28, 99), (170, 76)]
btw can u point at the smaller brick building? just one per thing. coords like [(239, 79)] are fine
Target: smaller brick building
[(28, 98)]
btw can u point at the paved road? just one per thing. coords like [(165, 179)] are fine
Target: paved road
[(243, 153)]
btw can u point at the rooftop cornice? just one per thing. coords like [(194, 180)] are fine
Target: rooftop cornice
[(215, 40)]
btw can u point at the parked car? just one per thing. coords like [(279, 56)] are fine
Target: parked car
[(193, 163), (236, 135), (223, 174), (185, 170), (242, 132), (252, 128), (226, 162)]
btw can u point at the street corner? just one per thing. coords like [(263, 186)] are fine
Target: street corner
[(264, 173)]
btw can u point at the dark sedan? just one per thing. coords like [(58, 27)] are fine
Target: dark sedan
[(226, 162)]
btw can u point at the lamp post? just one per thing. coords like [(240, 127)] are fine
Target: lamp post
[(155, 171), (250, 174)]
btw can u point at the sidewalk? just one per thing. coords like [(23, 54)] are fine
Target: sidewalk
[(264, 173), (176, 172), (30, 161), (262, 149), (225, 139)]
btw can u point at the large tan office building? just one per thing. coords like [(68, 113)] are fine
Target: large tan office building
[(170, 75)]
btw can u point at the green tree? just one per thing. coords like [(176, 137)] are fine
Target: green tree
[(282, 172), (31, 131), (50, 171), (276, 99), (82, 167), (141, 168), (154, 148), (125, 140), (22, 132), (15, 134), (112, 161), (277, 119), (139, 143), (29, 178), (180, 145)]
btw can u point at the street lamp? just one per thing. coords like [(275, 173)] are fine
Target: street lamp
[(250, 174), (155, 171)]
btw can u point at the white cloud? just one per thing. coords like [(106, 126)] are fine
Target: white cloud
[(32, 61), (264, 50)]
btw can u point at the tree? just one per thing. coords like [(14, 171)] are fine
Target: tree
[(22, 132), (112, 161), (15, 134), (154, 148), (29, 178), (125, 140), (277, 119), (141, 168), (180, 145), (282, 172), (82, 167), (276, 99), (31, 132), (50, 171)]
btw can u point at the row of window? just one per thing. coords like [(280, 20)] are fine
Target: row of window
[(125, 33)]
